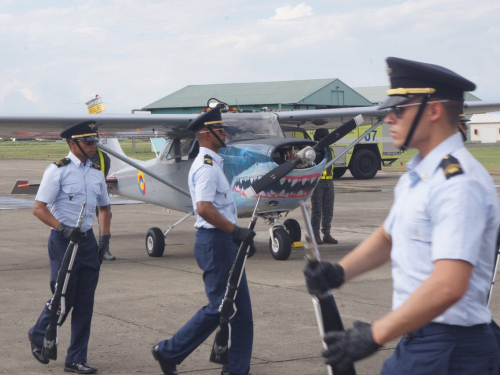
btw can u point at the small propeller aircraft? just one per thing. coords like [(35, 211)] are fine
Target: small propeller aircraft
[(256, 149)]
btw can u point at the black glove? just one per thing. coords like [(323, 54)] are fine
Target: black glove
[(251, 251), (103, 246), (71, 233), (241, 234), (323, 276), (347, 347)]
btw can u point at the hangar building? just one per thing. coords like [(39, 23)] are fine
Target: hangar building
[(258, 96)]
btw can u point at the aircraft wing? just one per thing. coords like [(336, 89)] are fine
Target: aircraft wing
[(310, 119), (52, 125), (45, 126)]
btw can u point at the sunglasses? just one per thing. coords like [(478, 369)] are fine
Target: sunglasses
[(399, 109), (223, 131), (88, 143)]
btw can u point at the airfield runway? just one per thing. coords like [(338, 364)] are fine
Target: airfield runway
[(142, 300)]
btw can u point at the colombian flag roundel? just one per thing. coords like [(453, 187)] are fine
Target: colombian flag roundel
[(142, 182)]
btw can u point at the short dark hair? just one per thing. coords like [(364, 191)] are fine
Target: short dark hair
[(453, 110)]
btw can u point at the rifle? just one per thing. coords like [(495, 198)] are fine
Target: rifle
[(222, 343), (51, 339), (327, 313)]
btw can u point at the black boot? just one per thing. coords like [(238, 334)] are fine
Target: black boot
[(37, 350), (108, 256)]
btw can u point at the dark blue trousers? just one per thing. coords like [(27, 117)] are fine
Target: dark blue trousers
[(446, 350), (215, 253), (79, 293)]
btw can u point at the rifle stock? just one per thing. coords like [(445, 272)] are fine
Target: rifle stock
[(51, 339), (220, 348), (325, 307)]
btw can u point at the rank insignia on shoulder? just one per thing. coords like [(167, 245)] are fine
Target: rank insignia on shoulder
[(451, 166), (62, 162), (207, 159)]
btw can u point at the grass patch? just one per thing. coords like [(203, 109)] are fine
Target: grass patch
[(489, 157), (52, 150)]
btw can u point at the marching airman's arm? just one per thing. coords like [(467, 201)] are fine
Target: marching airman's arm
[(370, 254), (446, 286), (41, 211), (208, 212)]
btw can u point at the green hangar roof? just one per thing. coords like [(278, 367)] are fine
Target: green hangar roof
[(314, 92)]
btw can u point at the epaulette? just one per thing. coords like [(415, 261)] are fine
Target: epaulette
[(62, 162), (96, 166), (207, 159), (451, 166)]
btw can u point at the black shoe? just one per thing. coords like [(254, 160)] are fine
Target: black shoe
[(166, 366), (327, 238), (109, 256), (37, 350), (79, 368), (226, 372)]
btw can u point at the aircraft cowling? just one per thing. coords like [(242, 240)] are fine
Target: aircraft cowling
[(246, 162)]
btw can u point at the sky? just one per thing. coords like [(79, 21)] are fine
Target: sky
[(56, 55)]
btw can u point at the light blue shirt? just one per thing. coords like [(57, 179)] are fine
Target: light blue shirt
[(208, 183), (66, 188), (435, 218)]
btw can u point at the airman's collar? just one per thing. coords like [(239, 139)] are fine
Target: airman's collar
[(77, 161), (424, 168), (214, 155)]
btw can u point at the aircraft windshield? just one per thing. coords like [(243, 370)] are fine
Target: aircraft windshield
[(251, 126)]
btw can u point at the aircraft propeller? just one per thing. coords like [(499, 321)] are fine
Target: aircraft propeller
[(305, 156)]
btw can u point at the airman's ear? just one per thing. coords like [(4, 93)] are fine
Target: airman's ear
[(437, 110)]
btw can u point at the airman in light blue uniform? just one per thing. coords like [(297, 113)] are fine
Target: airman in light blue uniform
[(65, 185), (440, 236), (215, 252)]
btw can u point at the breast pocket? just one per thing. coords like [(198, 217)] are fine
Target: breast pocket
[(419, 230), (94, 195), (223, 194), (73, 193)]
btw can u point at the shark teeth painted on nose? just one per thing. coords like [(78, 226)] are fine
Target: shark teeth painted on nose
[(288, 187)]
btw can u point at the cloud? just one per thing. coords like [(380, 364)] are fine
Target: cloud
[(288, 12), (134, 52), (29, 95)]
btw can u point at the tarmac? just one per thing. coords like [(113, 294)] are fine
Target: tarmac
[(142, 300)]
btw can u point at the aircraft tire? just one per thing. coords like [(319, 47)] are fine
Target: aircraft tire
[(339, 172), (282, 246), (293, 228), (364, 164), (155, 242)]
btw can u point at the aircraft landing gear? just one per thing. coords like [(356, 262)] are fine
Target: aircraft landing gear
[(156, 240), (281, 236)]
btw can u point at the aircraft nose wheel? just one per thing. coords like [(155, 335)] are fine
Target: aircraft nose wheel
[(281, 245), (155, 242)]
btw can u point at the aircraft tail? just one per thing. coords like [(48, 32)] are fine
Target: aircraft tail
[(116, 163)]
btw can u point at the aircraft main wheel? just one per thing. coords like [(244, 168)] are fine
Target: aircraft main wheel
[(292, 226), (339, 172), (281, 246), (364, 164), (155, 242)]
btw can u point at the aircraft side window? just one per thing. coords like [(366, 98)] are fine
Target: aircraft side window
[(180, 149)]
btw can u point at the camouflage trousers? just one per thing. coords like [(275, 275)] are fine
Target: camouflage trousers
[(322, 200)]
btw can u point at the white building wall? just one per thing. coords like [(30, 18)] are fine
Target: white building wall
[(485, 128)]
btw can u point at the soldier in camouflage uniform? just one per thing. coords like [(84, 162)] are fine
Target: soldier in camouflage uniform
[(322, 199)]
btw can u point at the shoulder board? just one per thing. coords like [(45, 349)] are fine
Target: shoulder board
[(207, 159), (62, 162), (96, 166), (451, 166)]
